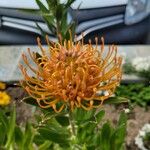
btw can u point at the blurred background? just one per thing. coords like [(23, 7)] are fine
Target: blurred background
[(121, 21)]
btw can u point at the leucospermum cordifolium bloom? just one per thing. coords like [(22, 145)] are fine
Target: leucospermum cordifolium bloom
[(72, 74)]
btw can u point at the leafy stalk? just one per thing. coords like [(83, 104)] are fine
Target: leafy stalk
[(71, 121), (11, 129), (55, 16)]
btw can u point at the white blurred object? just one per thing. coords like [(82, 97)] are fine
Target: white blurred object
[(127, 110), (141, 63), (139, 138), (136, 11)]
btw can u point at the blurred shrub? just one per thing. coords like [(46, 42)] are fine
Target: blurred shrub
[(138, 93)]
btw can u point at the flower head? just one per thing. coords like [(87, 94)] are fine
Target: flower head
[(4, 98), (72, 74)]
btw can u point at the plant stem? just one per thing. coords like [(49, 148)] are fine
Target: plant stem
[(72, 124), (59, 36)]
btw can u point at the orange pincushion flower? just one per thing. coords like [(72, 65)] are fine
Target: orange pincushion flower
[(71, 74)]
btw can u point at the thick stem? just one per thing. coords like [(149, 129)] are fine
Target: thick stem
[(58, 31), (72, 124)]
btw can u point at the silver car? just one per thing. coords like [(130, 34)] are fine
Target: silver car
[(119, 21)]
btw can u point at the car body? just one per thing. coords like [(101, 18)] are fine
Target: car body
[(110, 18)]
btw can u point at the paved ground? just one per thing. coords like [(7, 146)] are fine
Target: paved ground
[(10, 57)]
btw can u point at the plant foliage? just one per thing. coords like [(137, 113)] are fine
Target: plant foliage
[(138, 93), (55, 15), (57, 128)]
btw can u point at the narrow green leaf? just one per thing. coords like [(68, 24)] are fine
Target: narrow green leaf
[(30, 100), (42, 7), (105, 136), (83, 115), (4, 120), (69, 2), (52, 3), (11, 129), (53, 135), (50, 21), (28, 136), (45, 145), (70, 27), (99, 116), (62, 120), (2, 134), (122, 119), (43, 33), (33, 11), (38, 139), (18, 137), (59, 12), (118, 136), (116, 100)]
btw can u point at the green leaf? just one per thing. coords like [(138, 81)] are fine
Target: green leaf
[(83, 115), (11, 129), (62, 120), (43, 33), (53, 135), (52, 4), (28, 136), (105, 136), (69, 2), (4, 120), (18, 136), (59, 12), (118, 136), (42, 7), (50, 21), (122, 119), (99, 116), (70, 27), (45, 145), (2, 134), (33, 11), (116, 100), (30, 100), (38, 139)]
